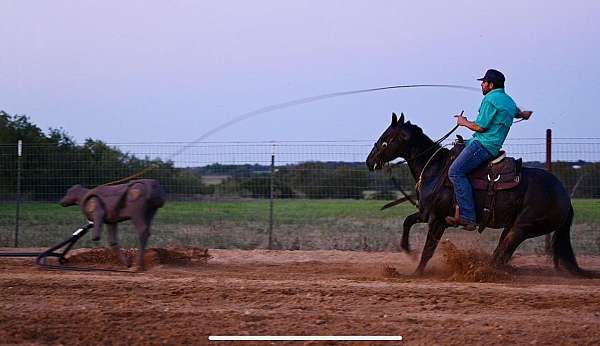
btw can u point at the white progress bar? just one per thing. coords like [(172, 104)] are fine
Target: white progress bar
[(305, 338)]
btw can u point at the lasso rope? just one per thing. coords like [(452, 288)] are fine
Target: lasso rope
[(287, 104)]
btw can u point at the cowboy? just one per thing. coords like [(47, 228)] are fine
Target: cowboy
[(491, 127)]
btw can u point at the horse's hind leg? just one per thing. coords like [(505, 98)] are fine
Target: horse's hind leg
[(503, 234), (113, 241), (510, 239)]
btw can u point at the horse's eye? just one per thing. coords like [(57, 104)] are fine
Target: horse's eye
[(384, 144)]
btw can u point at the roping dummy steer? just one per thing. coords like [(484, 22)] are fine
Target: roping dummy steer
[(137, 201)]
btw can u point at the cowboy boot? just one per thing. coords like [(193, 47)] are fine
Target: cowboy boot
[(456, 221)]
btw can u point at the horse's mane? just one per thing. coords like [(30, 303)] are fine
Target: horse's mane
[(417, 134)]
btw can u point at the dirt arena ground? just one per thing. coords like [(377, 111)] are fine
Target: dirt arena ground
[(183, 298)]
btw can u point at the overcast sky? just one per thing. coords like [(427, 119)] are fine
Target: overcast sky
[(146, 71)]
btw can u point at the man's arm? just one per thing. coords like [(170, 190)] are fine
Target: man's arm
[(487, 112), (471, 125)]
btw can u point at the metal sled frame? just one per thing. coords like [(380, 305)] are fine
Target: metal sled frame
[(41, 258)]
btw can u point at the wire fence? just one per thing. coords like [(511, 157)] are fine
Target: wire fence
[(306, 195)]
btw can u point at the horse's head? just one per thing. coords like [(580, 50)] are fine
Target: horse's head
[(393, 143)]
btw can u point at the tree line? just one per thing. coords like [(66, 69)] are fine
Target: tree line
[(52, 162)]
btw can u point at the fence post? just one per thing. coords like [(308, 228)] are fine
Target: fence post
[(548, 166), (18, 212), (270, 245)]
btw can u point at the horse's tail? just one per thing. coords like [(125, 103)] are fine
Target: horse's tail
[(562, 250)]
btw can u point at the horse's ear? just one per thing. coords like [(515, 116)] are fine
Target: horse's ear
[(395, 120)]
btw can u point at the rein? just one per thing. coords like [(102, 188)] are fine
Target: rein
[(418, 184), (436, 143)]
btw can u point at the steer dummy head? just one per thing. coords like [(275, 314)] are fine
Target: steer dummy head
[(73, 196)]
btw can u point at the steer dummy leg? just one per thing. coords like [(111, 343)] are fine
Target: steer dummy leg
[(95, 213), (113, 241), (143, 231)]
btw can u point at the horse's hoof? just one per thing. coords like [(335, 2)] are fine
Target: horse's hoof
[(418, 273), (126, 263), (414, 256)]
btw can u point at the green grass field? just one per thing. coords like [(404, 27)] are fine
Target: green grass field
[(288, 211), (310, 224)]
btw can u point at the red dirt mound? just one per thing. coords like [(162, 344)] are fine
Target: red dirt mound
[(152, 257), (470, 265), (389, 271)]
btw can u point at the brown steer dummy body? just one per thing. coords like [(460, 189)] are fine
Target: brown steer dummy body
[(137, 201)]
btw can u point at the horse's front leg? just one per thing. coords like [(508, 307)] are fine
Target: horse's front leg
[(406, 226), (434, 234)]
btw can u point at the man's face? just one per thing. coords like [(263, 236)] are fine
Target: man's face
[(486, 87)]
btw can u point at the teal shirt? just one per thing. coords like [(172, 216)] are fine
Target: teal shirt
[(496, 115)]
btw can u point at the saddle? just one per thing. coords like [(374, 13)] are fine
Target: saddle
[(501, 173)]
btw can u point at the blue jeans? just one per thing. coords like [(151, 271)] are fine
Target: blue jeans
[(473, 156)]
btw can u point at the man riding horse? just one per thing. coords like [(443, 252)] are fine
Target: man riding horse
[(491, 127), (525, 202)]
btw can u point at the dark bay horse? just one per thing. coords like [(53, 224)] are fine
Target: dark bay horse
[(537, 206)]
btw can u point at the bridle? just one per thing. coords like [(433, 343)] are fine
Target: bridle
[(393, 137)]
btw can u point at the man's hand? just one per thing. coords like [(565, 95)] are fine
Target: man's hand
[(524, 114), (461, 120)]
